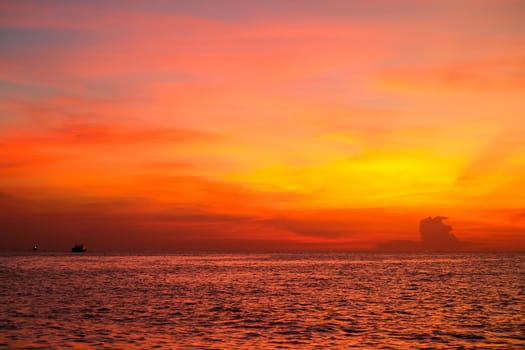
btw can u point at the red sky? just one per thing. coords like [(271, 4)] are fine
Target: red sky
[(232, 124)]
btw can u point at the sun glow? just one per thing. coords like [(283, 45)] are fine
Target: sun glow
[(252, 124)]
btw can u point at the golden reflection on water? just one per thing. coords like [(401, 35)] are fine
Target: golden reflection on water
[(262, 301)]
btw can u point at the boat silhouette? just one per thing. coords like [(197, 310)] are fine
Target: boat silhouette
[(35, 247), (79, 248)]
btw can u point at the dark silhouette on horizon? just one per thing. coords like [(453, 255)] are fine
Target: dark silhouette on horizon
[(79, 248), (435, 236)]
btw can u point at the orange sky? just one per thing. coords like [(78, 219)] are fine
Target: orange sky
[(229, 124)]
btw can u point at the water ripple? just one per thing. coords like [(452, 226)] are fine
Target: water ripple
[(212, 301)]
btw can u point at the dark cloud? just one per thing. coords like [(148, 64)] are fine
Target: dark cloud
[(435, 236), (313, 227), (4, 196), (337, 224), (518, 216), (82, 133), (5, 165), (121, 224)]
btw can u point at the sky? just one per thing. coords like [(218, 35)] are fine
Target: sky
[(247, 125)]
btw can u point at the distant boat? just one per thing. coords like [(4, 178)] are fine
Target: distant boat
[(35, 247), (79, 248)]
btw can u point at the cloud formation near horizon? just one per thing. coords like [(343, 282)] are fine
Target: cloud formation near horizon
[(435, 236)]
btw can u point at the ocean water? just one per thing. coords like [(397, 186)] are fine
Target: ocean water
[(262, 301)]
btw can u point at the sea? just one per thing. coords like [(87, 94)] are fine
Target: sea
[(262, 301)]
